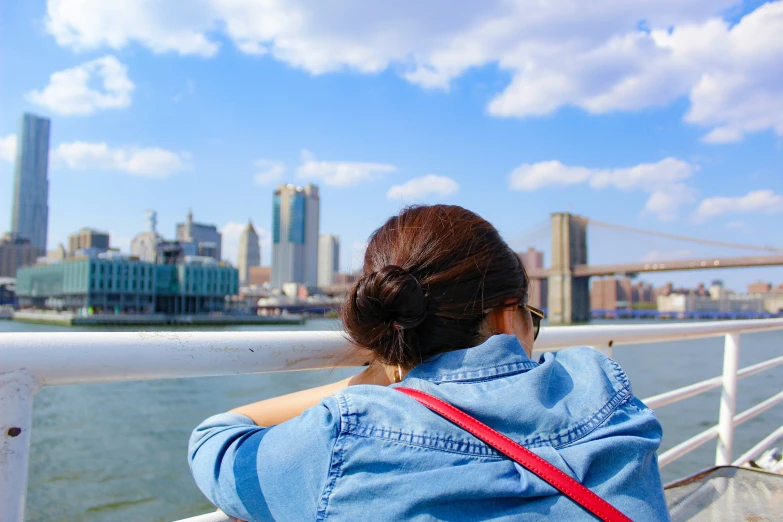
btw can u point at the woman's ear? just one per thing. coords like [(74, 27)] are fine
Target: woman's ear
[(501, 320)]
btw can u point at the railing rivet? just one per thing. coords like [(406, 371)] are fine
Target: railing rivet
[(14, 432)]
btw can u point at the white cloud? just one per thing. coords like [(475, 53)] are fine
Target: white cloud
[(740, 92), (151, 162), (536, 175), (728, 73), (666, 202), (645, 176), (665, 181), (159, 26), (269, 171), (8, 148), (423, 188), (231, 233), (340, 173), (70, 91), (596, 57), (756, 201)]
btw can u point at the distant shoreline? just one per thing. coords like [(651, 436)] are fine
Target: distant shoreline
[(69, 319)]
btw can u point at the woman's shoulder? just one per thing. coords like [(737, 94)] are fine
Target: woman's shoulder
[(588, 364)]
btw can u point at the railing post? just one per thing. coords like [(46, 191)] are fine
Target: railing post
[(17, 390), (605, 349), (728, 400)]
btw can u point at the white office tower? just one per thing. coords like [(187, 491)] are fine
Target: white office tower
[(30, 212), (295, 222), (328, 259), (249, 252), (144, 245)]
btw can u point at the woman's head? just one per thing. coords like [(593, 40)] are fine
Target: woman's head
[(430, 275)]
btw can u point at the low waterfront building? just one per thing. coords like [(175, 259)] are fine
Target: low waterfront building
[(7, 291), (669, 289), (620, 293), (119, 284), (773, 302), (723, 303), (759, 287), (259, 275)]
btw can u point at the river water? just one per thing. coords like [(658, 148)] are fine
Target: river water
[(117, 451)]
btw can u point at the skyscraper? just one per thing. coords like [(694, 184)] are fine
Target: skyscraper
[(328, 259), (295, 222), (30, 214), (205, 239), (249, 252)]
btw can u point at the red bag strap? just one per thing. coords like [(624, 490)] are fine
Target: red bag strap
[(526, 458)]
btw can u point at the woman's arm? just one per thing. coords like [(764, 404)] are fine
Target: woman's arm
[(277, 410)]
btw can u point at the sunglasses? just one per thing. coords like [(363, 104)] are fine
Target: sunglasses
[(537, 315)]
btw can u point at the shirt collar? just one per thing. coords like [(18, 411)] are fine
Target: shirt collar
[(499, 355)]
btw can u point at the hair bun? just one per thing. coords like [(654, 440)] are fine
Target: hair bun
[(392, 295)]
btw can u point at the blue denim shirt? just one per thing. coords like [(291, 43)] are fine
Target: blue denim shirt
[(372, 453)]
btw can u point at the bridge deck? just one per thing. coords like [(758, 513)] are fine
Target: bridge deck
[(665, 266)]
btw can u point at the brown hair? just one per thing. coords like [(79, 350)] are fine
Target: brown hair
[(429, 275)]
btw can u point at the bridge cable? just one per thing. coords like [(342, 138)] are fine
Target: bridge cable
[(685, 238), (532, 234)]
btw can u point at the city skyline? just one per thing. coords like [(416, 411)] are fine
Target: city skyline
[(639, 137)]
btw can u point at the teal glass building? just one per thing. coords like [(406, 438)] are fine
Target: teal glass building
[(127, 286)]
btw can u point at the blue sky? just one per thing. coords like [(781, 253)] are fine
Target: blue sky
[(658, 115)]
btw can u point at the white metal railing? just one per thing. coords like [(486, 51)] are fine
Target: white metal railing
[(31, 360)]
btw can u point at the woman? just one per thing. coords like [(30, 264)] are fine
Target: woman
[(441, 306)]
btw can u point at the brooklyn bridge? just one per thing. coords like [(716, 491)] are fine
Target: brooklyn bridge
[(568, 275)]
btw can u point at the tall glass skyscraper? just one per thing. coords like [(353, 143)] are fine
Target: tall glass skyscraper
[(30, 212), (295, 224)]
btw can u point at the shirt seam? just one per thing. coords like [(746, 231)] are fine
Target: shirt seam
[(335, 467), (610, 407), (499, 371), (556, 440), (373, 432), (494, 455)]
